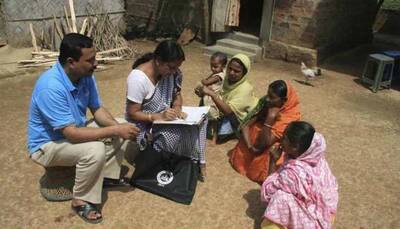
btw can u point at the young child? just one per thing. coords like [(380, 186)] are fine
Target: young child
[(215, 81)]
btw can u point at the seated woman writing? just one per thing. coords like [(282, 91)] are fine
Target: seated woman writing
[(154, 93), (303, 192), (237, 96), (262, 129)]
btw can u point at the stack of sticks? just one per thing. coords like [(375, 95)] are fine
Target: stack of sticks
[(109, 44)]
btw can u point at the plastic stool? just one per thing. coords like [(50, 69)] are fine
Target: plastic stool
[(378, 71)]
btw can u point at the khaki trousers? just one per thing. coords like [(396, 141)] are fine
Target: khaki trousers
[(93, 160)]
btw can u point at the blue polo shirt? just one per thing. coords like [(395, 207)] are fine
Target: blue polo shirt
[(56, 103)]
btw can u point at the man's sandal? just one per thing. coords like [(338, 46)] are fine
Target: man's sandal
[(114, 183), (83, 211)]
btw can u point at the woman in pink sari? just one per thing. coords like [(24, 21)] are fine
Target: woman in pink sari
[(303, 192)]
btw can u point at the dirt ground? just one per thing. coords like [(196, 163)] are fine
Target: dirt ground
[(362, 130), (9, 58)]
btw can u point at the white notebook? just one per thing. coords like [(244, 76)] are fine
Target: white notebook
[(195, 115)]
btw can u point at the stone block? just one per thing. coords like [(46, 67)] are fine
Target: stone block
[(291, 53), (3, 42)]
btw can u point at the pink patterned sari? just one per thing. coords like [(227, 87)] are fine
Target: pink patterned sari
[(303, 193)]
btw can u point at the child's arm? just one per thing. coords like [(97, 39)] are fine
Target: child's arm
[(211, 80)]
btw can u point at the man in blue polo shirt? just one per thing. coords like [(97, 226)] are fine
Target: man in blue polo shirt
[(58, 134)]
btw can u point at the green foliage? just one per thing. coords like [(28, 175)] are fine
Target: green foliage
[(391, 5)]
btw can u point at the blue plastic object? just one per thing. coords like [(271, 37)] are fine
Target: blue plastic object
[(396, 69)]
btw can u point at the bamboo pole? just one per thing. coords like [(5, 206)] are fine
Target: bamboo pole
[(93, 24), (73, 18), (83, 28), (66, 19), (58, 29), (42, 39), (33, 38), (43, 53), (47, 64), (112, 50), (35, 61), (53, 36), (109, 58)]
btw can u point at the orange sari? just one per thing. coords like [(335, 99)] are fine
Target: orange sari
[(255, 167)]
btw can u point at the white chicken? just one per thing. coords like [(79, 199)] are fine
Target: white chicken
[(309, 73)]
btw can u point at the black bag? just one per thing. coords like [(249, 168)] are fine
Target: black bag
[(167, 175)]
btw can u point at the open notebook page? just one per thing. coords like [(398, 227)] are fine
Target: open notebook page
[(195, 115)]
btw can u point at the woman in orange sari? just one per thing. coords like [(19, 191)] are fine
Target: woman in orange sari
[(262, 129)]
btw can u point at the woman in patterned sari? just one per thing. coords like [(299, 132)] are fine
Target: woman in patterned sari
[(262, 128), (154, 93), (303, 192)]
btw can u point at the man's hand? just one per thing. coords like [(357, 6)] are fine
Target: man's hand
[(127, 131)]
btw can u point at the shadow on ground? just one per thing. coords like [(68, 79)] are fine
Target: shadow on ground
[(255, 208)]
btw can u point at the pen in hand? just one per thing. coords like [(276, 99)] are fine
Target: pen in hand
[(169, 113)]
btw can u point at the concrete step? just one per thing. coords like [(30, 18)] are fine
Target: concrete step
[(246, 47), (230, 52), (244, 37)]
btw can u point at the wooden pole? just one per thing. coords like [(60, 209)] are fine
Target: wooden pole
[(53, 36), (83, 28), (58, 29), (112, 50), (42, 39), (66, 19), (93, 24), (34, 44), (73, 18), (206, 17)]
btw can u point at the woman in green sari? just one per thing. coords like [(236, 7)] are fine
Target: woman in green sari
[(237, 96)]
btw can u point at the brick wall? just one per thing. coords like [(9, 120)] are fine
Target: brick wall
[(320, 27), (342, 24), (293, 22)]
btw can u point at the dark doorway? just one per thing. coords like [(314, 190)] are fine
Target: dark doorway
[(250, 16)]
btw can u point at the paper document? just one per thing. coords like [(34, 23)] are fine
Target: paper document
[(195, 115)]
